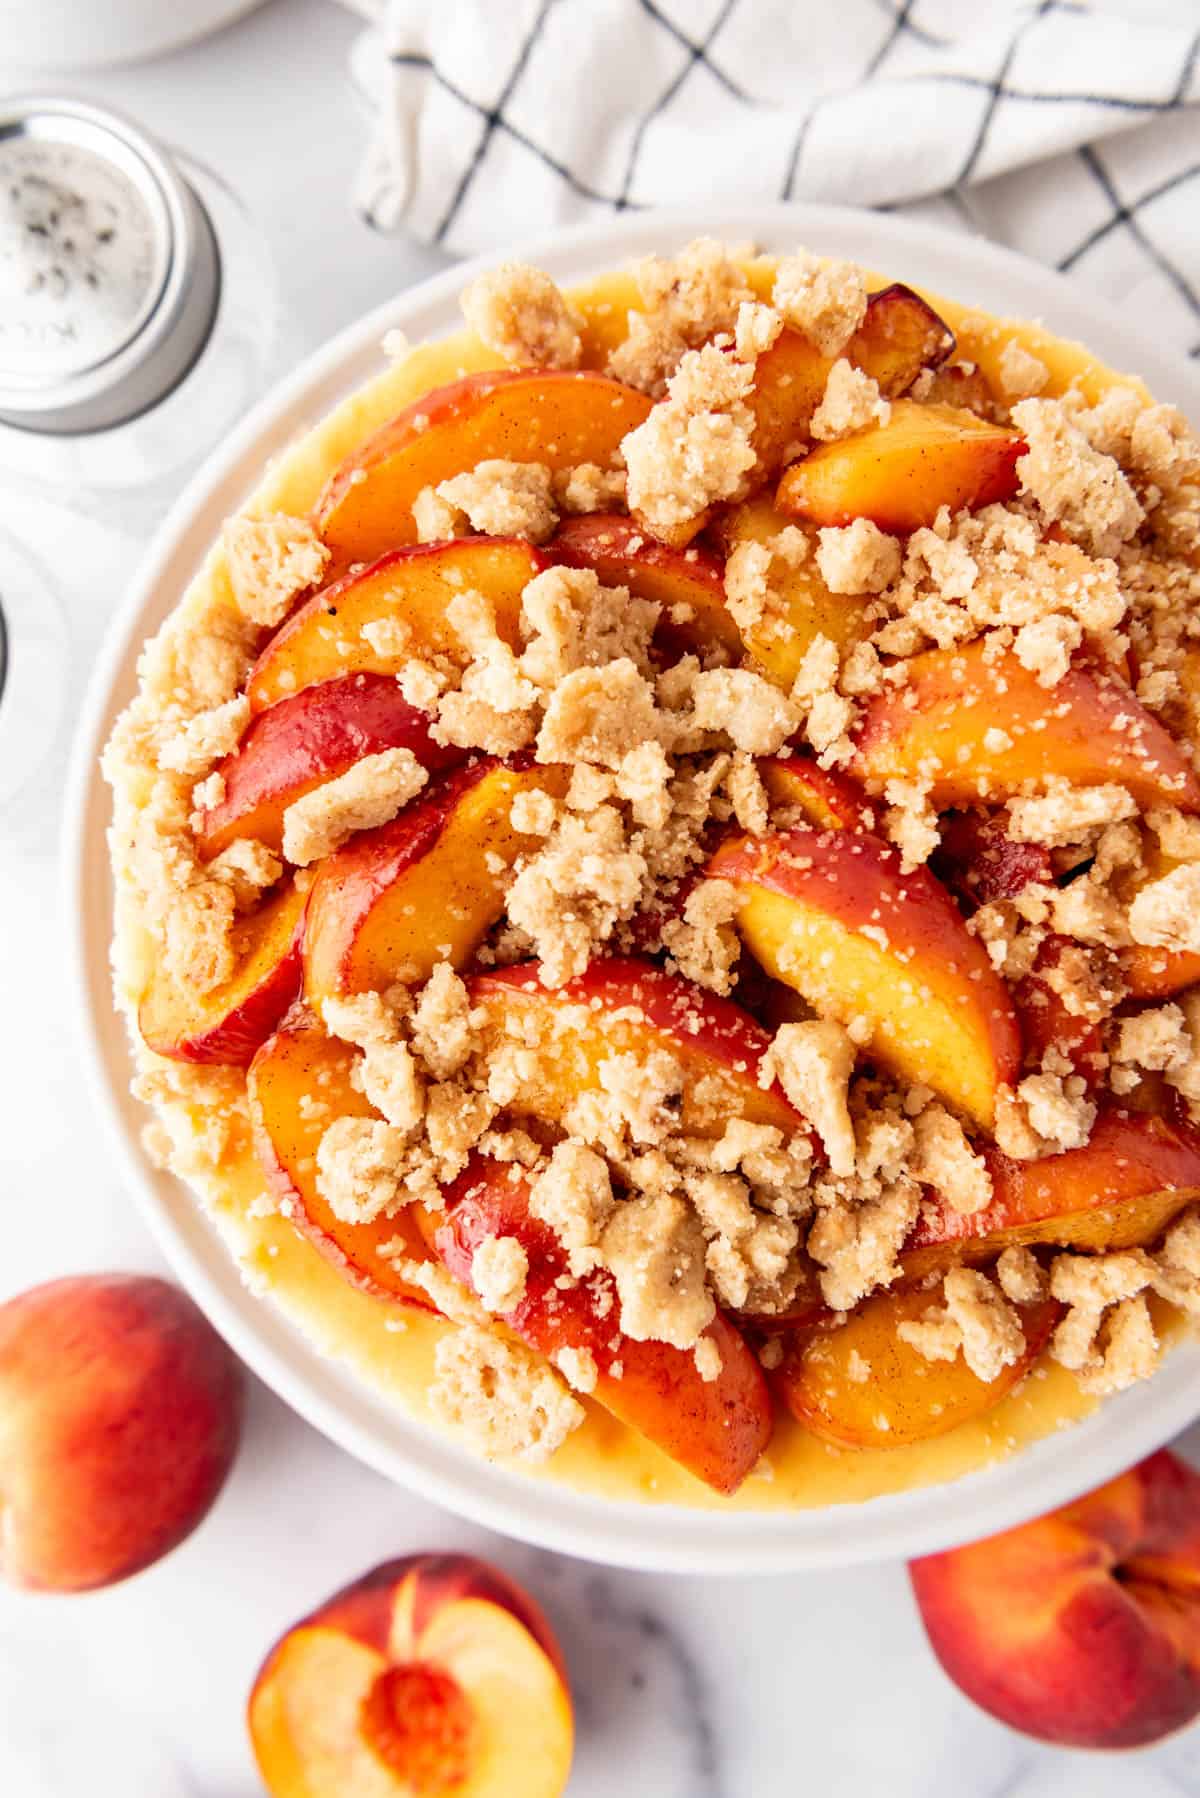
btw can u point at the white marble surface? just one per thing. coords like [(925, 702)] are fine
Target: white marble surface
[(685, 1688)]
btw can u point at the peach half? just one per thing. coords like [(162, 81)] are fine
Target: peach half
[(434, 1676), (981, 730), (228, 1024), (298, 1083), (1083, 1627), (406, 593), (425, 888), (829, 913), (902, 473), (542, 415), (715, 1428), (300, 742), (122, 1412)]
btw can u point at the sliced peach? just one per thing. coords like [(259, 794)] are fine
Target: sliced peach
[(979, 862), (434, 1676), (829, 913), (978, 727), (715, 1428), (425, 888), (1156, 973), (858, 1383), (300, 742), (1119, 1191), (821, 796), (122, 1413), (900, 335), (799, 605), (228, 1023), (298, 1083), (687, 583), (521, 415), (409, 589), (1047, 1024), (621, 1005), (902, 473)]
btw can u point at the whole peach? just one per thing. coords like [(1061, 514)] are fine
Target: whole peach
[(1082, 1627), (120, 1414)]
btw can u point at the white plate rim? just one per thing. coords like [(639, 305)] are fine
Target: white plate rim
[(657, 1538)]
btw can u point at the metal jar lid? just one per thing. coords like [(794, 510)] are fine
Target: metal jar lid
[(109, 269)]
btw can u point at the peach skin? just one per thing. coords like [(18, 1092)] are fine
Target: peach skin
[(829, 913), (300, 742), (979, 728), (901, 474), (715, 1428), (377, 909), (1081, 1628), (407, 593), (901, 1397), (434, 1676), (120, 1416), (1119, 1191), (542, 415), (622, 1005), (978, 861), (687, 583), (294, 1066), (228, 1023)]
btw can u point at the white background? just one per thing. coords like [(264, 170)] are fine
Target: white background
[(684, 1688)]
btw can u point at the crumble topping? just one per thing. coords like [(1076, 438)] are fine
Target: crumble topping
[(271, 562), (499, 499), (975, 1321), (851, 402), (205, 738), (696, 446), (520, 313), (1074, 485), (368, 794), (499, 1268), (686, 300), (505, 1397), (857, 558), (823, 298)]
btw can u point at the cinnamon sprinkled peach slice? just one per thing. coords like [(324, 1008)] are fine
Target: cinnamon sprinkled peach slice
[(542, 415), (978, 727), (228, 1023), (902, 473), (829, 913), (405, 595), (298, 1083)]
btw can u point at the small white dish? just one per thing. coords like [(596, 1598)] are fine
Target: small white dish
[(658, 1538)]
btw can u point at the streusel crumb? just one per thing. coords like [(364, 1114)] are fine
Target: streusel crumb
[(520, 313)]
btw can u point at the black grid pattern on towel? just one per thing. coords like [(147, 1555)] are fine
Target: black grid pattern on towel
[(899, 21)]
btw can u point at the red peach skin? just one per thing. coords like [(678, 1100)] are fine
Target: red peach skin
[(313, 737), (228, 1024), (434, 1676), (717, 1429), (120, 1415), (1083, 1627)]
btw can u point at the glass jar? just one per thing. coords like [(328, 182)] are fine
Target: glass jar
[(139, 321)]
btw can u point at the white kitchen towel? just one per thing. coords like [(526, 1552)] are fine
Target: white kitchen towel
[(1071, 132)]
